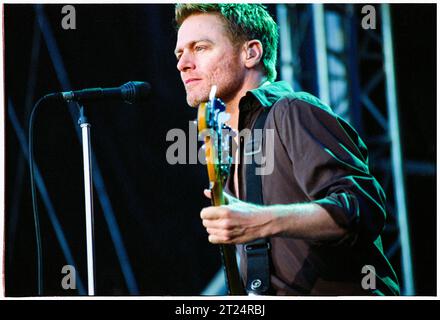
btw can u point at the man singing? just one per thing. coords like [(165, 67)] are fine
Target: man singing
[(321, 211)]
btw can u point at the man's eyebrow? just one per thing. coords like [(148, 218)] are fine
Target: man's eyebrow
[(191, 44)]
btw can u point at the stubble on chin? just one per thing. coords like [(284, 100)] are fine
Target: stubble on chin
[(195, 100)]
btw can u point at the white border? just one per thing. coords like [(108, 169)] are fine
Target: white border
[(2, 164), (213, 298)]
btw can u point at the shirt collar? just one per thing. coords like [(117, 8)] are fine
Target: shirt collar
[(267, 94)]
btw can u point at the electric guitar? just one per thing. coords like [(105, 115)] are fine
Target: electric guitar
[(211, 118)]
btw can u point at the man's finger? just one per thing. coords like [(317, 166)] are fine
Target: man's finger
[(213, 212), (220, 224), (218, 239), (207, 193), (209, 223)]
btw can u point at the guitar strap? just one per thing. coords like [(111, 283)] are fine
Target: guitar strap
[(258, 251)]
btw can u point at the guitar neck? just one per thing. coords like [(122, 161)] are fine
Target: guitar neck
[(227, 251), (211, 119), (233, 279)]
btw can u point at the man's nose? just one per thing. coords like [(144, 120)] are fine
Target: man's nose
[(185, 63)]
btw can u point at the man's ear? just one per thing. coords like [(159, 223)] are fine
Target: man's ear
[(253, 53)]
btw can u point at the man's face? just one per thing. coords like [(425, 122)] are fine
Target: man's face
[(206, 57)]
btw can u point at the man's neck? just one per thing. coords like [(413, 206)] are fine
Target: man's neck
[(232, 106)]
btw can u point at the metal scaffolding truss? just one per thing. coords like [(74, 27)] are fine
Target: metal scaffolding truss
[(324, 49)]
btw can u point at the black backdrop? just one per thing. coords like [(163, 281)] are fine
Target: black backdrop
[(157, 205)]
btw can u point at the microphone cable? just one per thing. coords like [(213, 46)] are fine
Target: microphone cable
[(34, 198)]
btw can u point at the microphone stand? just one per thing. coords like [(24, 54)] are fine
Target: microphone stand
[(88, 191)]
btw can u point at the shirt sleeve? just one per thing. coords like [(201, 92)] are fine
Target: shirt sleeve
[(330, 164)]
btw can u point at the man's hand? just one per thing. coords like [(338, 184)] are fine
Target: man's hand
[(236, 222), (241, 222)]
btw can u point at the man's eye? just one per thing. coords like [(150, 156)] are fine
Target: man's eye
[(199, 48)]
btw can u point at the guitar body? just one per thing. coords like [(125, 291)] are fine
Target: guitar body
[(211, 127)]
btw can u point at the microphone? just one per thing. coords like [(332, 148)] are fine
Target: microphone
[(131, 92)]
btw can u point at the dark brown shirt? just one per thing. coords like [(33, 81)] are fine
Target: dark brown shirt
[(318, 157)]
